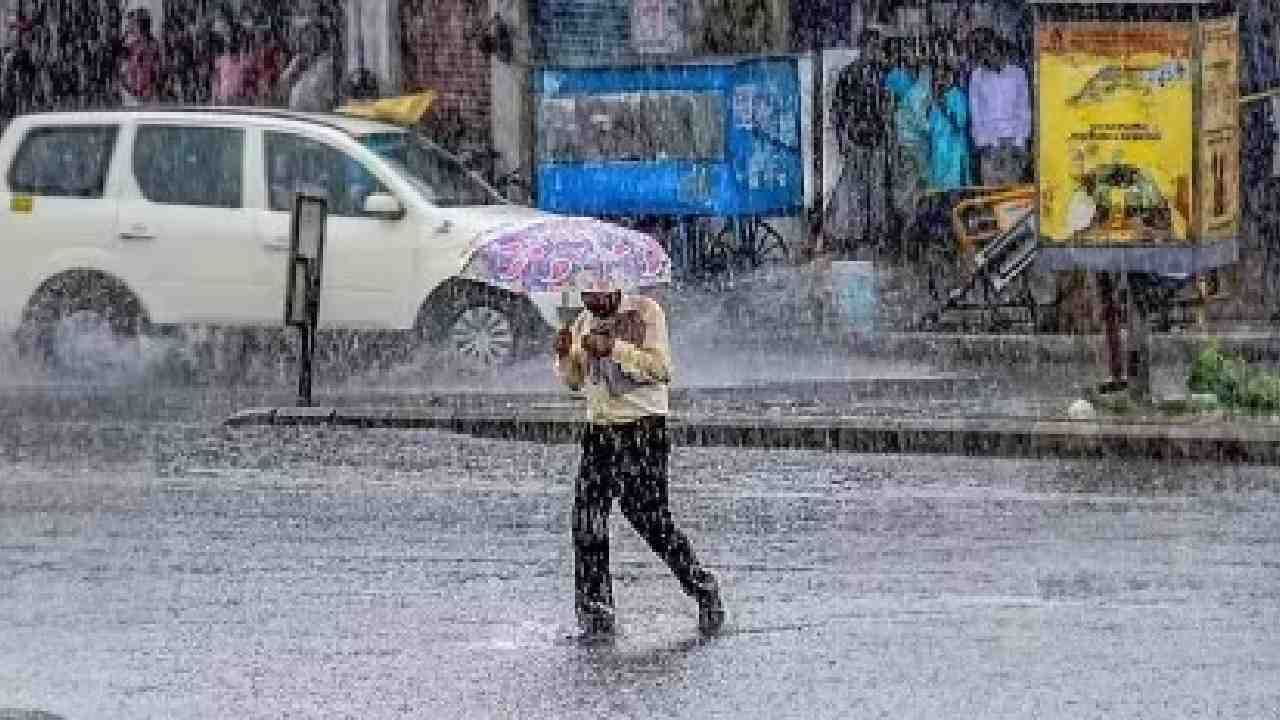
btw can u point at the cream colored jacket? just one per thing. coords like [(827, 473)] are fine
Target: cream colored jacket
[(634, 381)]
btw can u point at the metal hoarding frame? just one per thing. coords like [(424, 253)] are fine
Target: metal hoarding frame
[(313, 263), (757, 170), (1195, 254)]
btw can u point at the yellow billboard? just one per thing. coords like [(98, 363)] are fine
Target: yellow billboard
[(1219, 169), (1115, 132)]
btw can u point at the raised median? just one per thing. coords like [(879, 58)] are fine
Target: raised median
[(1174, 441)]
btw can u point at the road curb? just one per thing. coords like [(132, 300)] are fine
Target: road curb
[(970, 349), (1234, 443)]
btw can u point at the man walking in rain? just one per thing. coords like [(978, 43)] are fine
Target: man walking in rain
[(618, 352)]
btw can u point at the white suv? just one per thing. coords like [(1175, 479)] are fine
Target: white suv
[(144, 218)]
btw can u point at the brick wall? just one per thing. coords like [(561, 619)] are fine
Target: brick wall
[(438, 56)]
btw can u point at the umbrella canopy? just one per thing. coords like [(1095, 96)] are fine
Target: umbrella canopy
[(570, 254)]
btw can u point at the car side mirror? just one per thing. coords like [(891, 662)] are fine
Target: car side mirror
[(384, 206)]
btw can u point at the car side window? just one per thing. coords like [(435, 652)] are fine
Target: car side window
[(187, 165), (64, 161), (298, 164)]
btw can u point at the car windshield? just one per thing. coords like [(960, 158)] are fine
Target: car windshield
[(436, 174)]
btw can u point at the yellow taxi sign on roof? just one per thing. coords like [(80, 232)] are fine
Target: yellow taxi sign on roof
[(405, 110)]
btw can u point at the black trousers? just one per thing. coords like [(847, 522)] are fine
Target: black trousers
[(628, 462)]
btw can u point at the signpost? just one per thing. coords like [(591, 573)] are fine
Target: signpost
[(1137, 154), (304, 272)]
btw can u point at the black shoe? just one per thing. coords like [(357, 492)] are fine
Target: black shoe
[(710, 612)]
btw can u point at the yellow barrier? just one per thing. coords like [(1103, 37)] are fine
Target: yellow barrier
[(405, 110)]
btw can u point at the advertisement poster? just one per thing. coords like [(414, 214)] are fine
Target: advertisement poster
[(1219, 170), (1115, 147)]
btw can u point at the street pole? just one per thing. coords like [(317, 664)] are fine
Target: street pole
[(1139, 369), (819, 128), (306, 350), (302, 292)]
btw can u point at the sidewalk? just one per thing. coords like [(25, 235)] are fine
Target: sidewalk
[(789, 307), (960, 349)]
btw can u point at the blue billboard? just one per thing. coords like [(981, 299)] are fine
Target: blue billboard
[(709, 138)]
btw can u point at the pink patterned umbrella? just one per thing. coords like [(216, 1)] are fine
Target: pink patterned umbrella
[(568, 253)]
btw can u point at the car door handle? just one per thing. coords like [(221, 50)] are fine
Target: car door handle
[(137, 236), (444, 227), (276, 246)]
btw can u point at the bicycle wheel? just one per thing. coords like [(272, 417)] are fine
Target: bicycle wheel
[(769, 245), (720, 254)]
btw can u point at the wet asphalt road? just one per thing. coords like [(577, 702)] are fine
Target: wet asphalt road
[(154, 565)]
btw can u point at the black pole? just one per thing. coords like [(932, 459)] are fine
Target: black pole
[(819, 146), (306, 350), (1139, 369), (307, 335)]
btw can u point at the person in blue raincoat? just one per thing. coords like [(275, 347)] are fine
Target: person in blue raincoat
[(949, 157)]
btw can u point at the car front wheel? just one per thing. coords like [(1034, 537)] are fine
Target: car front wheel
[(483, 336), (476, 327)]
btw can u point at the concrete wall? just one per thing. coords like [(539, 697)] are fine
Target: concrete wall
[(373, 41), (511, 116)]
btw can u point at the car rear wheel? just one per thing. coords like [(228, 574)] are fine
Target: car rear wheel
[(83, 324)]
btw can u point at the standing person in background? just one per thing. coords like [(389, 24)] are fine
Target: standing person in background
[(362, 84), (179, 57), (1000, 105), (857, 210), (309, 76), (618, 351), (140, 72), (204, 46), (18, 73), (102, 68), (266, 59), (67, 68), (6, 56), (231, 64)]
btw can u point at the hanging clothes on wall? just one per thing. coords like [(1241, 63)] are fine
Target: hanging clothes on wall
[(912, 91), (949, 163), (1000, 109)]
